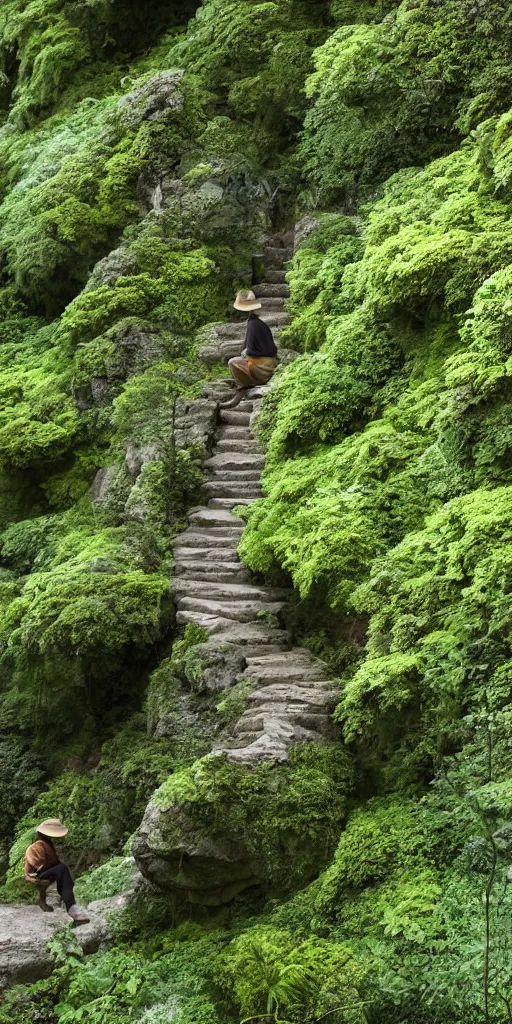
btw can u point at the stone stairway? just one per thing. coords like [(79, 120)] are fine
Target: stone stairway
[(291, 697)]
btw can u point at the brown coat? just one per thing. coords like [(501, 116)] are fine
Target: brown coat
[(39, 857)]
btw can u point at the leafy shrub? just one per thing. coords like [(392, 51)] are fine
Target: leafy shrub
[(400, 92)]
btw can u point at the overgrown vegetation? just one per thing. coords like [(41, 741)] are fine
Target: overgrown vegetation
[(141, 159)]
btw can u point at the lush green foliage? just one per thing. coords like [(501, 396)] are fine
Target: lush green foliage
[(401, 91), (102, 292), (126, 220)]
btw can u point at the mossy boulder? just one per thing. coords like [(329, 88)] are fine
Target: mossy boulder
[(217, 828)]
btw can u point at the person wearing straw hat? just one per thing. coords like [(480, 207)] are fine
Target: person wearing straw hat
[(259, 359), (43, 867)]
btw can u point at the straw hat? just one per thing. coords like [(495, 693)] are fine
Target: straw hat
[(52, 827), (246, 301)]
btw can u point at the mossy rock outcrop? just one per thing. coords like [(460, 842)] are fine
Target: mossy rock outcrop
[(217, 828)]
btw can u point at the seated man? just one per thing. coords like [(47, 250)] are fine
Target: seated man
[(43, 866), (259, 359)]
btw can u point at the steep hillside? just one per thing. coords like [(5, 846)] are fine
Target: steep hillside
[(349, 869)]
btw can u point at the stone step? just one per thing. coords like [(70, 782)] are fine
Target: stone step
[(214, 538), (272, 303), (245, 406), (276, 319), (218, 539), (209, 552), (276, 276), (258, 720), (270, 650), (311, 716), (235, 418), (275, 257), (230, 329), (232, 632), (294, 673), (235, 474), (258, 392), (230, 349), (236, 447), (206, 554), (235, 461), (235, 489), (229, 591), (232, 433), (296, 656), (239, 611), (230, 502), (218, 390), (184, 566), (320, 696), (214, 517), (235, 611), (269, 290), (201, 571), (282, 729), (300, 726)]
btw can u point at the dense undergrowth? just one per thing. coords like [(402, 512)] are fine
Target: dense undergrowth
[(132, 198)]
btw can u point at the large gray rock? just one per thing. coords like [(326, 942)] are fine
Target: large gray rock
[(132, 486), (146, 501), (134, 347), (195, 422), (138, 346), (208, 202), (103, 483), (26, 930), (137, 455), (120, 262), (175, 854), (221, 666)]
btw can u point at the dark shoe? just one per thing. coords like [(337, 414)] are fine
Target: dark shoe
[(78, 917), (43, 905), (239, 394)]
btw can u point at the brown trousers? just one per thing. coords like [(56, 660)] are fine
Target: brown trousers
[(249, 372)]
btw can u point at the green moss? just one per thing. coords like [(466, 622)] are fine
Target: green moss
[(108, 880), (399, 92), (234, 703), (387, 494), (287, 816)]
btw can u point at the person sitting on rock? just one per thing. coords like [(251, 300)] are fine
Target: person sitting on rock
[(43, 866), (259, 358)]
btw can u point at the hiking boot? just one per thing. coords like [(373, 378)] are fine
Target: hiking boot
[(43, 905), (77, 916)]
